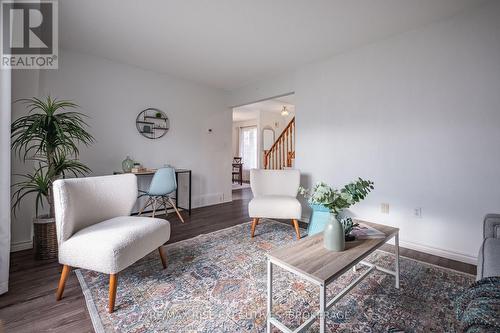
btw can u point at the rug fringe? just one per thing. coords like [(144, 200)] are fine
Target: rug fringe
[(91, 307)]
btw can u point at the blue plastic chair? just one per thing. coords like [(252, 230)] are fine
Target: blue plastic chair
[(162, 185)]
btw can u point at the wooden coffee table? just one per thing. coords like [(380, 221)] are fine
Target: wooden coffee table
[(309, 260)]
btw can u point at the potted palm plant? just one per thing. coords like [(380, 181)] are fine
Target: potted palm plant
[(49, 136)]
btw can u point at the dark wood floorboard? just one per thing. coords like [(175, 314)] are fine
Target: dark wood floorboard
[(30, 304)]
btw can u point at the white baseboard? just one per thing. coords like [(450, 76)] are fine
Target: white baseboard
[(209, 200), (19, 246), (458, 256)]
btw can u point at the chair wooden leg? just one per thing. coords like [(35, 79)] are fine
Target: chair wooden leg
[(163, 257), (165, 205), (254, 224), (154, 206), (145, 205), (62, 281), (296, 225), (175, 208), (113, 281)]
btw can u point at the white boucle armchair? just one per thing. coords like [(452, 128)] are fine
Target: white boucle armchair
[(96, 232), (275, 196)]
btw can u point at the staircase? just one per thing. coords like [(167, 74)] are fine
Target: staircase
[(282, 152)]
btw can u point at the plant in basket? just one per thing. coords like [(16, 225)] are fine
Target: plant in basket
[(49, 136)]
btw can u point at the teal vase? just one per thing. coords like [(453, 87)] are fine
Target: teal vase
[(127, 164), (320, 216), (333, 236)]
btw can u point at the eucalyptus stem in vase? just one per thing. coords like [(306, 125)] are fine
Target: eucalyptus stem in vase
[(338, 228)]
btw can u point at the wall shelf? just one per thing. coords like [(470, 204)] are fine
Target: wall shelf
[(150, 126), (156, 118)]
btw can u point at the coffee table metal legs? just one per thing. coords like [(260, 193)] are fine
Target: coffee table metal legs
[(396, 253), (323, 305)]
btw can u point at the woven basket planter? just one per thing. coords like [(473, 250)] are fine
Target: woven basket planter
[(45, 238)]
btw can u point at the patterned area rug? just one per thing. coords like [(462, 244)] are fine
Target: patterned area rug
[(217, 283)]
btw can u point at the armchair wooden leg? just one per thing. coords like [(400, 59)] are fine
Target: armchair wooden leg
[(296, 225), (176, 210), (254, 224), (113, 281), (62, 281), (163, 257)]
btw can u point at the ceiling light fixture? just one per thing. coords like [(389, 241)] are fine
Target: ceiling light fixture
[(285, 112)]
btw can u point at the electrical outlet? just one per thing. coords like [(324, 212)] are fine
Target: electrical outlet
[(384, 208), (418, 212)]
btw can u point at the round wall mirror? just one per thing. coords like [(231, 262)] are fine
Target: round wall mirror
[(152, 123)]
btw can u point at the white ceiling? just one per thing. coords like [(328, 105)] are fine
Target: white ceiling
[(228, 43), (251, 111)]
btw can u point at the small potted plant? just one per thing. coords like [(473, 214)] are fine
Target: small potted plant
[(323, 197), (49, 136)]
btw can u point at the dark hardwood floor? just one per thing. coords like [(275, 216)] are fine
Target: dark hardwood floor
[(30, 304)]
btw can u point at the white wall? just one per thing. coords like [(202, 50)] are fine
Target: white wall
[(113, 94), (5, 117), (419, 115)]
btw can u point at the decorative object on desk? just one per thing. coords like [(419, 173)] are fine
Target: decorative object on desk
[(139, 168), (335, 201), (127, 164), (152, 123), (49, 136)]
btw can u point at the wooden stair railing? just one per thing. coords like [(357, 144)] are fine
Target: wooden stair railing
[(282, 152)]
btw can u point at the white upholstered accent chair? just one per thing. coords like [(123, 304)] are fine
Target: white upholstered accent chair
[(96, 232), (275, 196)]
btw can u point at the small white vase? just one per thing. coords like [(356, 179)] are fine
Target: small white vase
[(333, 236)]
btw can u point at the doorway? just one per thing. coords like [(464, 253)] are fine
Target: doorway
[(263, 137)]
